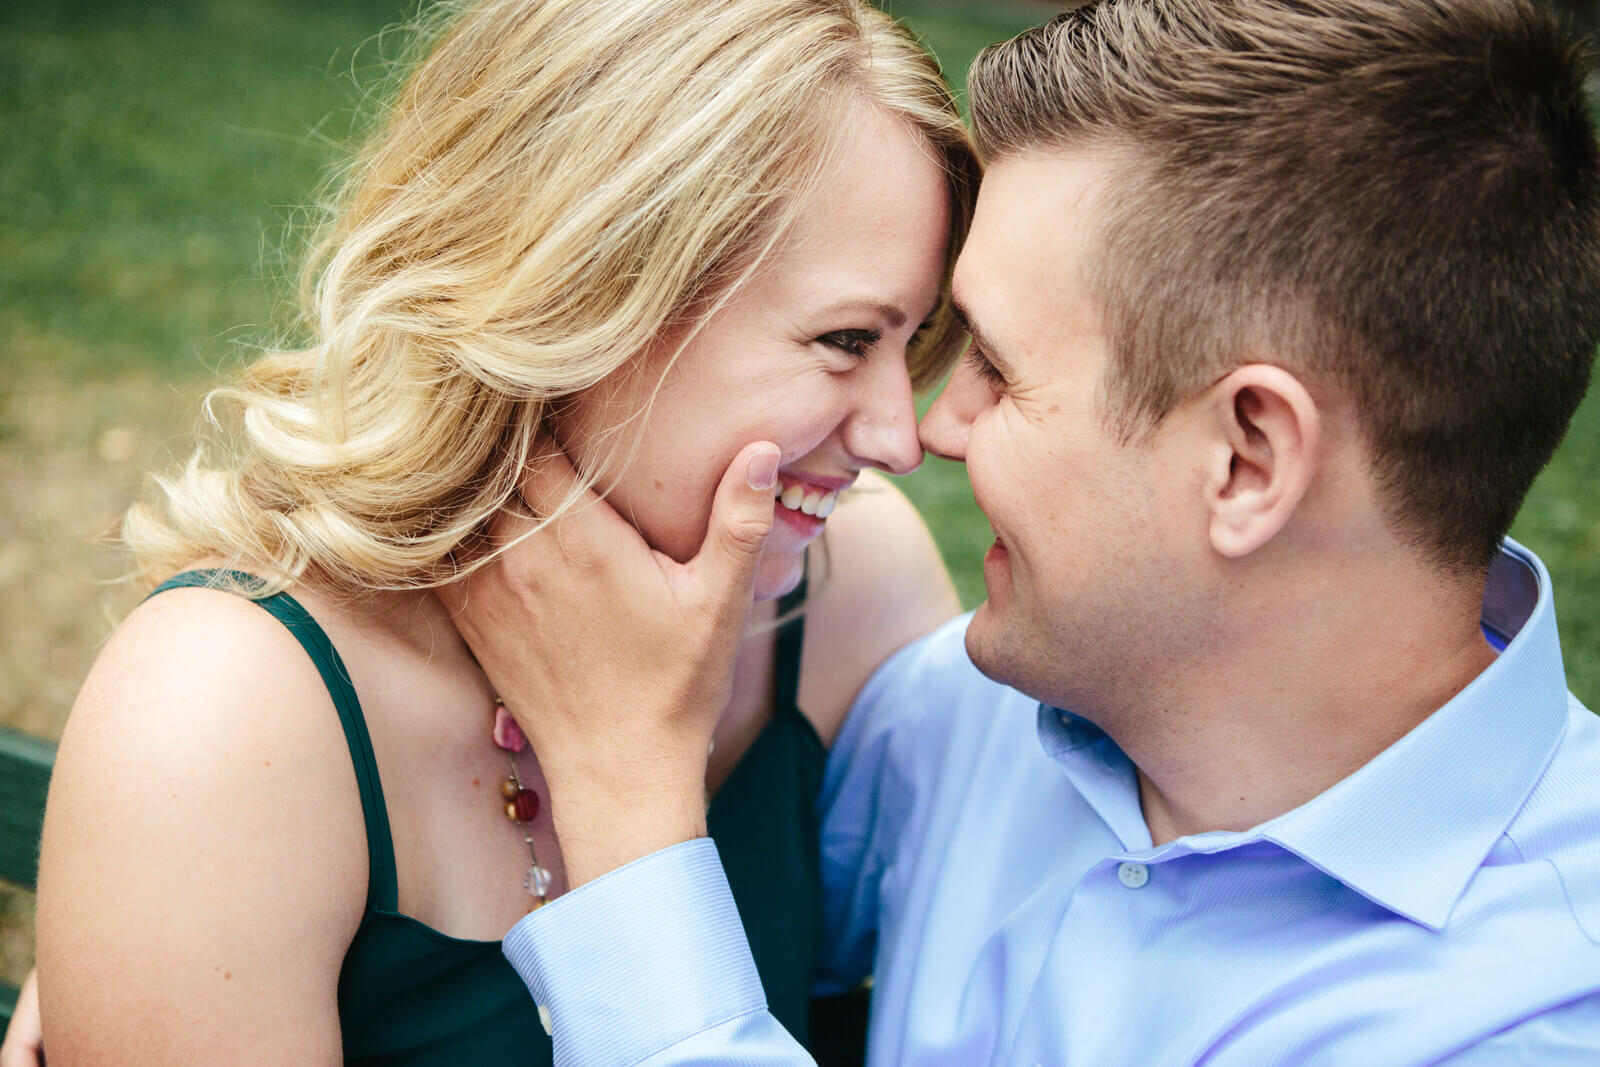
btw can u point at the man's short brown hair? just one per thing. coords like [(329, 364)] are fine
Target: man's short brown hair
[(1397, 198)]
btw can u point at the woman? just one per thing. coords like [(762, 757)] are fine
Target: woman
[(642, 232)]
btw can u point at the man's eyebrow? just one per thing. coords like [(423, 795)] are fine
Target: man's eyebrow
[(985, 342)]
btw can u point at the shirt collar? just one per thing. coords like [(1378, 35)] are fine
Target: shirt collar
[(1408, 830)]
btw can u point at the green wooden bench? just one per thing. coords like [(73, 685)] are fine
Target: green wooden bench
[(24, 775)]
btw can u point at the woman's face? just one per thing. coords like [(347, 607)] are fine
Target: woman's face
[(810, 355)]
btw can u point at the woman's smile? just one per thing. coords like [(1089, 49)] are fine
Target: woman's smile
[(804, 504)]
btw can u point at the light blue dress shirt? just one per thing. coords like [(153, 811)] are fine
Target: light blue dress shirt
[(987, 860)]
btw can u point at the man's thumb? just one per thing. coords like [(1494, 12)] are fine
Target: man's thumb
[(741, 517)]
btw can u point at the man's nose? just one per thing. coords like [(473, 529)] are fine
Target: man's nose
[(944, 427)]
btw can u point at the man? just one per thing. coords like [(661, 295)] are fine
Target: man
[(1278, 308)]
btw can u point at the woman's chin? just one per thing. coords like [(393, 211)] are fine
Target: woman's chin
[(780, 573)]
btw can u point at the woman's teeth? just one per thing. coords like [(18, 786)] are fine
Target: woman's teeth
[(810, 501)]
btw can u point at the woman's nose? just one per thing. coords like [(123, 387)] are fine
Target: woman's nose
[(882, 431)]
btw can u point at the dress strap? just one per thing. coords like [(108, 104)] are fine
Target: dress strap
[(382, 883), (790, 645)]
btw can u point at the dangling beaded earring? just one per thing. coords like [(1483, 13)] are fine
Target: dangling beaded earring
[(522, 804)]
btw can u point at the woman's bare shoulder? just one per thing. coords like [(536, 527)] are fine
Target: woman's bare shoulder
[(198, 672), (880, 584), (204, 831)]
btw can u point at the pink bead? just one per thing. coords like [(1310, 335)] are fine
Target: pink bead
[(507, 734)]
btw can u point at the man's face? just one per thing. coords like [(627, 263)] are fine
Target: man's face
[(1083, 578)]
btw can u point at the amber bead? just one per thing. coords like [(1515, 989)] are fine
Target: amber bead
[(508, 789)]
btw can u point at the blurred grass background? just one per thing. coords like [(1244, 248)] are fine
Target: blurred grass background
[(154, 160)]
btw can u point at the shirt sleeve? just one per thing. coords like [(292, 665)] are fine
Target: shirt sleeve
[(1569, 1034), (648, 964)]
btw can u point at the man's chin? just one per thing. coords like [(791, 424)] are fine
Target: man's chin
[(986, 645)]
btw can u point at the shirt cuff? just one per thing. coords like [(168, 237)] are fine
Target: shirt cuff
[(639, 959)]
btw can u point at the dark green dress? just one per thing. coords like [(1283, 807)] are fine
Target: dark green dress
[(411, 995)]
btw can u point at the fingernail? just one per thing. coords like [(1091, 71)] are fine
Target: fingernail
[(763, 470)]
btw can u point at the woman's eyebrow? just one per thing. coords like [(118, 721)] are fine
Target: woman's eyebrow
[(894, 316)]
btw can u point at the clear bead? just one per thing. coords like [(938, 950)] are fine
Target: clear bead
[(536, 881)]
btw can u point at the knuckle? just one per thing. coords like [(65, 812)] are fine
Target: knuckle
[(749, 533)]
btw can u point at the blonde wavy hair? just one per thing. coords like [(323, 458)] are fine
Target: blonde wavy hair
[(558, 184)]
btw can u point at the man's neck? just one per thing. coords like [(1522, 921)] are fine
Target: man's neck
[(1303, 703)]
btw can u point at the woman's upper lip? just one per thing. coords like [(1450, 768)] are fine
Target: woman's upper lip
[(819, 481)]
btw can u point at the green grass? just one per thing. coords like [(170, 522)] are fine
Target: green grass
[(153, 155)]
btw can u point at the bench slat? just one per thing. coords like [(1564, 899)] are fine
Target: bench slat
[(25, 764), (8, 1006)]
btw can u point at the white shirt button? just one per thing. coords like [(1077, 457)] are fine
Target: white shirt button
[(1133, 875)]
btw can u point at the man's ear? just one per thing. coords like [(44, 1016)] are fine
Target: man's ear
[(1264, 428)]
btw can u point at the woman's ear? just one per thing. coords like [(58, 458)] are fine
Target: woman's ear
[(1264, 428)]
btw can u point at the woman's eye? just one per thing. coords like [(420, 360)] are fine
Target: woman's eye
[(857, 343), (979, 362)]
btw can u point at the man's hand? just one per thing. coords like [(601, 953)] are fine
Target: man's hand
[(615, 659)]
